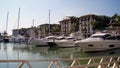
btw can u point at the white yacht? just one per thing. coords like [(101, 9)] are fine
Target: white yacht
[(99, 42), (50, 40), (68, 41), (37, 42)]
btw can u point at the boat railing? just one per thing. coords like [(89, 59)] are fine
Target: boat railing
[(88, 62)]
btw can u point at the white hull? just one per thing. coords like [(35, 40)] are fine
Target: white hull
[(99, 42), (98, 45), (65, 43), (38, 42)]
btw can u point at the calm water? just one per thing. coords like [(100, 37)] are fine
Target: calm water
[(22, 51)]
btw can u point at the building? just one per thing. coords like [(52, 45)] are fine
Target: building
[(23, 32), (46, 30), (113, 27), (69, 25), (30, 32), (15, 32), (84, 25)]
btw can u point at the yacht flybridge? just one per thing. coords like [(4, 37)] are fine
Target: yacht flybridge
[(99, 42)]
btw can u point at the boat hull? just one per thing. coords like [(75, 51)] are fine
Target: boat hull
[(65, 43), (98, 45)]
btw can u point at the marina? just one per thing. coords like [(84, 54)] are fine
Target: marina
[(59, 34), (44, 56)]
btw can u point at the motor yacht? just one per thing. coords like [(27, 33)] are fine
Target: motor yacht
[(50, 40), (69, 41), (99, 42)]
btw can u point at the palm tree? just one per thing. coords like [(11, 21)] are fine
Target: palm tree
[(93, 23), (75, 23), (115, 19)]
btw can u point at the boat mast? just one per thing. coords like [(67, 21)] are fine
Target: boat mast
[(32, 29), (49, 22), (18, 30), (7, 21), (6, 35), (18, 21), (33, 23)]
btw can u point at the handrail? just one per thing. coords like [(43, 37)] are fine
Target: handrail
[(97, 62)]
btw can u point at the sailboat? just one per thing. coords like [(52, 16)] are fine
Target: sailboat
[(18, 38)]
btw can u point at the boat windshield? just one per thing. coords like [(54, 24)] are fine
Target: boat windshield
[(59, 38), (101, 36), (97, 36), (69, 38)]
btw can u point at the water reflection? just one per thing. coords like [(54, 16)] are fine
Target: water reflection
[(63, 52), (10, 51)]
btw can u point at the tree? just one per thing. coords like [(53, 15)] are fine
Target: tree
[(100, 22), (115, 19), (75, 22), (93, 22)]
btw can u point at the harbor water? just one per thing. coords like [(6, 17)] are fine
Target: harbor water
[(15, 51)]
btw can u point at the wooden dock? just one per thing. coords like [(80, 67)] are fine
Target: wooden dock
[(88, 62)]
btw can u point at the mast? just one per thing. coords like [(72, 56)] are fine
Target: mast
[(33, 23), (18, 30), (7, 21), (49, 21), (18, 21), (32, 29)]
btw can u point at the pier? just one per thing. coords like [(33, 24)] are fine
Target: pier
[(88, 62)]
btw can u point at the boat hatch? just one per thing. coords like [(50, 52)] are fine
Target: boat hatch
[(90, 45)]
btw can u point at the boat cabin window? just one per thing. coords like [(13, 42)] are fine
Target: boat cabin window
[(107, 35), (118, 37), (69, 38), (111, 38), (59, 38), (101, 36)]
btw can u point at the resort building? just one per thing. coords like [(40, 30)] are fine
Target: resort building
[(26, 32), (46, 30), (114, 27), (30, 32), (16, 32), (84, 25), (69, 25)]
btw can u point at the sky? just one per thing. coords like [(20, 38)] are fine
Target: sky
[(59, 9)]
